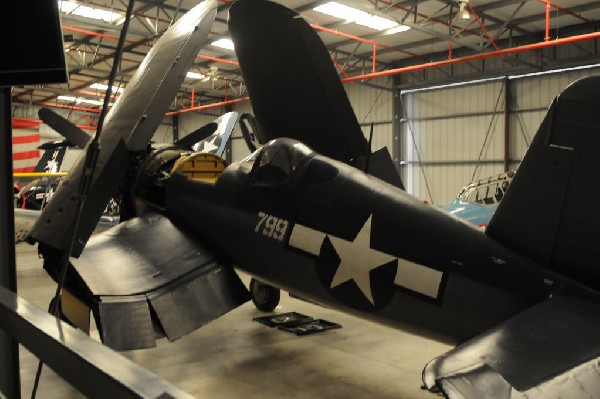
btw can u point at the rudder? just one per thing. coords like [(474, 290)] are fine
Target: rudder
[(550, 211)]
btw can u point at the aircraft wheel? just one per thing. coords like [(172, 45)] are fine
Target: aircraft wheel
[(264, 296)]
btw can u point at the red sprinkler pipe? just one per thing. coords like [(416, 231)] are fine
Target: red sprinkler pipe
[(565, 10), (75, 107), (91, 121), (92, 33), (498, 53), (360, 39), (547, 37), (29, 123), (374, 62), (224, 61)]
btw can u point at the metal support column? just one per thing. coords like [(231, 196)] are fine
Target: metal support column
[(398, 111), (507, 108), (10, 384), (175, 128)]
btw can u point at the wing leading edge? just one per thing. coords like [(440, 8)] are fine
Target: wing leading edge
[(548, 351)]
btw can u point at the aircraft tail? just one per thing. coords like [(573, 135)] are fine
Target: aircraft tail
[(550, 211), (52, 157)]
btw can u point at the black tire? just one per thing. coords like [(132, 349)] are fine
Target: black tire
[(265, 297)]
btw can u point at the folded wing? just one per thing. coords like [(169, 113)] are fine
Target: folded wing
[(147, 278), (549, 351)]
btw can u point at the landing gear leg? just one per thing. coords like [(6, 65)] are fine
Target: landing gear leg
[(264, 296)]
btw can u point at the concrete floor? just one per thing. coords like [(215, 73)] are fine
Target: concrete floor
[(236, 357)]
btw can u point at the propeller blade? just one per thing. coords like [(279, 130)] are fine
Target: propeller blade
[(197, 135), (128, 128), (274, 44), (216, 142), (71, 132)]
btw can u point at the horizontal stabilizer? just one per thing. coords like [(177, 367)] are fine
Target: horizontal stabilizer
[(146, 275), (548, 351), (550, 211)]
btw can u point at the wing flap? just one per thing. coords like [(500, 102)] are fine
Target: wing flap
[(552, 347), (147, 277)]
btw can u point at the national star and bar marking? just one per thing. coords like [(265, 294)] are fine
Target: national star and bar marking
[(358, 258)]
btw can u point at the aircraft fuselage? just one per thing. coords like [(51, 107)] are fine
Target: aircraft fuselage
[(331, 234)]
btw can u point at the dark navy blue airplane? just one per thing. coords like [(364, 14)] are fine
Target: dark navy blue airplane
[(315, 212)]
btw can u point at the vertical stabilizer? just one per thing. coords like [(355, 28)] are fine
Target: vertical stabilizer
[(52, 158), (550, 212)]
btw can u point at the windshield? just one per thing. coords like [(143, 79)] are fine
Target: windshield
[(277, 161)]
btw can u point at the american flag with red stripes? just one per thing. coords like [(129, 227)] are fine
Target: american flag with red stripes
[(25, 139)]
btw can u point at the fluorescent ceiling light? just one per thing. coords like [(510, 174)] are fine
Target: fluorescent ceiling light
[(576, 68), (102, 86), (194, 75), (223, 43), (70, 7), (357, 16), (511, 77), (80, 100), (449, 85)]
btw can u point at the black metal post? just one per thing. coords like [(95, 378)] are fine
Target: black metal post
[(10, 383), (398, 112), (507, 109)]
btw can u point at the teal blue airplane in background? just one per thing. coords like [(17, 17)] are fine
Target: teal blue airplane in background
[(477, 201)]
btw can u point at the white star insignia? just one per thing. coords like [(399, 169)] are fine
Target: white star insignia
[(357, 259), (208, 144)]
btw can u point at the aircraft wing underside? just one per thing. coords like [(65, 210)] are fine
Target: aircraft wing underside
[(548, 351), (146, 276)]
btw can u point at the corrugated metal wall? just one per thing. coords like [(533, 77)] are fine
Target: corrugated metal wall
[(370, 104), (444, 131), (374, 105)]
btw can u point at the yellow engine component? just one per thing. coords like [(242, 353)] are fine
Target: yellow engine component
[(200, 166), (77, 312)]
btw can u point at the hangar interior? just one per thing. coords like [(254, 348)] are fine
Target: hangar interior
[(437, 133), (454, 100)]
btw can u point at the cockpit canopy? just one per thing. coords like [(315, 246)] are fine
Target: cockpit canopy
[(487, 191), (276, 162)]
